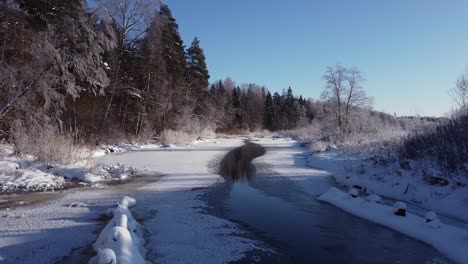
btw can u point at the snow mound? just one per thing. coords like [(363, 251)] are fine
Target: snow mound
[(108, 173), (13, 177), (353, 192), (122, 238), (374, 198), (30, 179), (127, 201), (104, 256), (78, 205), (450, 240), (431, 216), (399, 205), (432, 220)]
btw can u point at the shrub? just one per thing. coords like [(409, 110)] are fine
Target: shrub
[(187, 132), (447, 143), (48, 146)]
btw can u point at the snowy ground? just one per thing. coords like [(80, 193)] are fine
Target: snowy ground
[(392, 182), (176, 227), (25, 173)]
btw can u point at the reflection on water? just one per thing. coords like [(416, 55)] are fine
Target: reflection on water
[(300, 228), (237, 164)]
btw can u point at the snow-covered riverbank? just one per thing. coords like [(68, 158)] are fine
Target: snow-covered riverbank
[(389, 180), (169, 209), (177, 227)]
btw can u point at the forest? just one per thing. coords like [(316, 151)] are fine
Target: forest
[(119, 71)]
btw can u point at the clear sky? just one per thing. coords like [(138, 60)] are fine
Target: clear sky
[(411, 51)]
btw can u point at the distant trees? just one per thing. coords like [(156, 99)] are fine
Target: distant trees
[(344, 97)]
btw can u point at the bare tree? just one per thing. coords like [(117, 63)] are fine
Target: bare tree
[(334, 93), (344, 96), (132, 19), (460, 93), (356, 96)]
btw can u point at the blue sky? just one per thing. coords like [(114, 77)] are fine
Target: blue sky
[(411, 52)]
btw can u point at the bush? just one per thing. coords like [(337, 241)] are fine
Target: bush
[(187, 132), (446, 143), (49, 147)]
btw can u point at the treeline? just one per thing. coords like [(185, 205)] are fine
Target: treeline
[(253, 107), (120, 71), (116, 71)]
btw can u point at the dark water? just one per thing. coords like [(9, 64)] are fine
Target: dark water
[(303, 230)]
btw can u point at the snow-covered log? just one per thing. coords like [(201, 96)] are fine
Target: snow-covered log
[(122, 236)]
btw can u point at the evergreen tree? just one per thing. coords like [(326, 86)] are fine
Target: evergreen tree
[(237, 107), (268, 118), (172, 47), (175, 92), (196, 70)]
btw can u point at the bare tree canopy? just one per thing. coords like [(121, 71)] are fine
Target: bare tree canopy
[(132, 17), (460, 93), (344, 96)]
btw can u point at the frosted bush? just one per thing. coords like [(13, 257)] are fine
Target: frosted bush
[(48, 146), (187, 131)]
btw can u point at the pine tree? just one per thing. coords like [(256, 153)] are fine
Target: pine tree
[(196, 70), (237, 107), (268, 118), (172, 50), (172, 47)]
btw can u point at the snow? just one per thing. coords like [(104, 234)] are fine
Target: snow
[(353, 192), (399, 205), (431, 216), (104, 256), (79, 204), (171, 209), (374, 198), (451, 241), (182, 232), (122, 235), (12, 176), (392, 182), (25, 173)]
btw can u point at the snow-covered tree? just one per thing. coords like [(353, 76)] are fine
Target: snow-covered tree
[(344, 97)]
